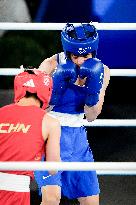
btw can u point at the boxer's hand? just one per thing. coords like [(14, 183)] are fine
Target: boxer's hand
[(93, 70), (63, 75)]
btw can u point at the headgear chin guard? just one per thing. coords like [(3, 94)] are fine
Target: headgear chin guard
[(79, 39), (35, 82)]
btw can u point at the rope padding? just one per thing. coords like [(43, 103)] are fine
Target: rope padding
[(113, 72), (60, 26), (102, 168)]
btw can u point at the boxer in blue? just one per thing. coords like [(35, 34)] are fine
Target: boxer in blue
[(79, 84)]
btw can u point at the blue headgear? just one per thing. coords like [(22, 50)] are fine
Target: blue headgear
[(79, 39)]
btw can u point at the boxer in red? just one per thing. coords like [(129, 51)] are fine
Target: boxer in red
[(27, 133)]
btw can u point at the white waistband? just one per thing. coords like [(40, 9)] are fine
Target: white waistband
[(71, 120), (14, 182)]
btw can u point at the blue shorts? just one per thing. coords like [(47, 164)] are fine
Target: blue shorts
[(74, 184)]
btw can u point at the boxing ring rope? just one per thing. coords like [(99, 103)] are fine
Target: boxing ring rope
[(113, 72), (60, 26), (109, 123), (102, 168)]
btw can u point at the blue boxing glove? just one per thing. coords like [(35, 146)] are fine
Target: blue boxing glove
[(64, 74), (93, 70)]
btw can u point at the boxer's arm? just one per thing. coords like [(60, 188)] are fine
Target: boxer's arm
[(92, 112), (49, 64), (51, 131)]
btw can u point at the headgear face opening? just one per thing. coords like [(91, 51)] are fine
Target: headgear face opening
[(37, 82), (79, 39)]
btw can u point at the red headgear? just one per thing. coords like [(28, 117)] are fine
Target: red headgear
[(38, 82)]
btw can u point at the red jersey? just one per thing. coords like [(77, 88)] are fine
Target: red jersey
[(21, 134)]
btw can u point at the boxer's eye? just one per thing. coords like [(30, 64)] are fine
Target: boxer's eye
[(77, 56)]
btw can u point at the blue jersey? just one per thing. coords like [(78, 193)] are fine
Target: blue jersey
[(72, 101)]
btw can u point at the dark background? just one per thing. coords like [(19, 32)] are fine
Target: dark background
[(116, 50)]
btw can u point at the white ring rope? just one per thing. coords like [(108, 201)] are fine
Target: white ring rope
[(102, 168), (60, 26), (104, 123), (113, 72), (109, 123)]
